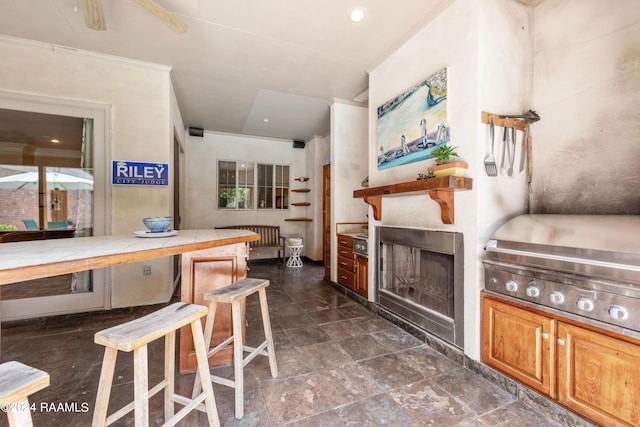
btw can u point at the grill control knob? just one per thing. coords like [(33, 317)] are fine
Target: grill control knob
[(532, 291), (556, 297), (511, 286), (618, 313), (584, 304)]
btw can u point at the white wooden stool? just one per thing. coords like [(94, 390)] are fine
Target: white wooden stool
[(135, 335), (236, 294), (17, 382), (294, 256)]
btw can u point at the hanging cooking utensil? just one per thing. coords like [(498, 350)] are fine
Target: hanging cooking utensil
[(512, 159), (503, 164), (510, 147), (490, 160), (530, 116), (523, 152)]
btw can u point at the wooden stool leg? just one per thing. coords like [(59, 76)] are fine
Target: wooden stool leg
[(141, 386), (238, 356), (169, 374), (203, 371), (208, 331), (104, 387), (20, 414), (266, 322)]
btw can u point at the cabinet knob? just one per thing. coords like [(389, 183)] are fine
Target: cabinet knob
[(560, 341), (545, 335)]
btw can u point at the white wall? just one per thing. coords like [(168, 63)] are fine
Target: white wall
[(317, 153), (141, 130), (201, 157), (487, 53), (348, 168), (587, 92)]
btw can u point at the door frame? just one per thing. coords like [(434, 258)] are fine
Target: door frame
[(99, 299)]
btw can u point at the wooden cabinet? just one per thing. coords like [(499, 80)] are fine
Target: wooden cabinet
[(591, 371), (518, 343), (326, 220), (599, 376), (346, 262), (362, 276), (353, 271), (204, 271)]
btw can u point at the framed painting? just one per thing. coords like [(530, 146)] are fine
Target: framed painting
[(412, 124)]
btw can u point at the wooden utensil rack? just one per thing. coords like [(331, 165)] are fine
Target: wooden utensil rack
[(521, 124)]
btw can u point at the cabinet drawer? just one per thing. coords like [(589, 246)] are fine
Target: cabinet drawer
[(348, 264), (346, 278), (345, 252), (345, 241)]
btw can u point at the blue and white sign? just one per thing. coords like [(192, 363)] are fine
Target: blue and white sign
[(139, 173)]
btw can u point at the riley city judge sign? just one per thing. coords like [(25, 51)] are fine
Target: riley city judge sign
[(139, 173)]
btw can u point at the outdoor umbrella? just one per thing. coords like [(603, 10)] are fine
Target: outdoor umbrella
[(61, 181)]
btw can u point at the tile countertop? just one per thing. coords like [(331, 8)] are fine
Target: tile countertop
[(21, 261)]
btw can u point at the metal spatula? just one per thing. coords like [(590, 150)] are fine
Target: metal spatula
[(490, 160)]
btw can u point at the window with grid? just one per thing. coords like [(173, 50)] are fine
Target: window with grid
[(245, 185)]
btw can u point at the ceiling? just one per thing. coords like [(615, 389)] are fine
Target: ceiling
[(241, 61)]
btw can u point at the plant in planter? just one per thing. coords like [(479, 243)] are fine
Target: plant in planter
[(444, 155)]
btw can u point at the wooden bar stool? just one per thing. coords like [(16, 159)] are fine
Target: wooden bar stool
[(236, 294), (17, 382), (135, 335)]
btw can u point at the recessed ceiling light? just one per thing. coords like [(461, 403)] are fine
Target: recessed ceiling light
[(55, 141), (356, 15), (265, 120)]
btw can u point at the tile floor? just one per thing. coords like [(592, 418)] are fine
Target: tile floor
[(339, 365)]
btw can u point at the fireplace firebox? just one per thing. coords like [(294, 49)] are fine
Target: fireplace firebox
[(421, 278)]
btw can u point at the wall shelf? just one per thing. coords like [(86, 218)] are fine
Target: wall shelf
[(301, 204), (299, 219), (301, 190), (441, 189)]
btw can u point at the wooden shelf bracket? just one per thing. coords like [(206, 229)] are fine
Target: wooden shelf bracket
[(441, 189)]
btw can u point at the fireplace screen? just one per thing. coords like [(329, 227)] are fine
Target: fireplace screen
[(419, 277)]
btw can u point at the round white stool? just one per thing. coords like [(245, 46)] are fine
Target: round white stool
[(294, 256)]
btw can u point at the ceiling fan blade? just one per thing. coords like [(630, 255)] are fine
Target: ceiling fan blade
[(169, 20), (93, 15)]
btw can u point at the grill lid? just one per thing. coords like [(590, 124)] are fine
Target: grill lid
[(607, 246)]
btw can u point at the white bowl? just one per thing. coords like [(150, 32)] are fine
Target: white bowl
[(295, 242), (158, 224)]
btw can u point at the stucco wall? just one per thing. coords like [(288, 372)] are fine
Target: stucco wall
[(201, 157), (586, 89), (487, 51), (138, 96), (348, 169)]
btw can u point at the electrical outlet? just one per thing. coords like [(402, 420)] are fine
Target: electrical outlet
[(146, 270)]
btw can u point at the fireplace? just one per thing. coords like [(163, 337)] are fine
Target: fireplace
[(420, 278)]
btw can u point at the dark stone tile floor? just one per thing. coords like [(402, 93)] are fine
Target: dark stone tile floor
[(339, 365)]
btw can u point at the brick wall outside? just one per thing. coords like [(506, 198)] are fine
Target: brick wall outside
[(16, 205)]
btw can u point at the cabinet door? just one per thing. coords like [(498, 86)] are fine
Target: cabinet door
[(599, 376), (519, 344), (362, 276), (204, 271)]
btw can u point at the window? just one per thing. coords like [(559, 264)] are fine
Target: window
[(226, 184), (246, 185), (282, 187)]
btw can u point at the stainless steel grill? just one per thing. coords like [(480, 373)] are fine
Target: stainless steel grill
[(584, 267)]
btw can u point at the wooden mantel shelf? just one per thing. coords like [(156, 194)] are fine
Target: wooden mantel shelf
[(441, 189)]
